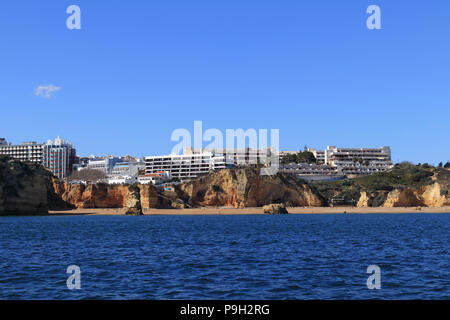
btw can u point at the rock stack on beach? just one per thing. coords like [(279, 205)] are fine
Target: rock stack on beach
[(275, 209), (133, 202)]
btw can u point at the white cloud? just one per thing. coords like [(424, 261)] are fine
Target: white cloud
[(46, 91)]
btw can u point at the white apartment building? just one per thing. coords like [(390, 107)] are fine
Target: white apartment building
[(313, 172), (156, 178), (318, 154), (343, 162), (380, 157), (104, 165), (185, 166), (235, 157), (27, 151), (122, 180), (127, 168), (58, 156)]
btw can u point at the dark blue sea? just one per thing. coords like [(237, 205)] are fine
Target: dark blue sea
[(226, 257)]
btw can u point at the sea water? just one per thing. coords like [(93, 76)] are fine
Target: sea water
[(226, 257)]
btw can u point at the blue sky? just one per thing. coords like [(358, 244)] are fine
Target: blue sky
[(137, 70)]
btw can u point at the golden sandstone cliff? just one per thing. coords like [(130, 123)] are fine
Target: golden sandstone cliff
[(404, 186), (236, 188), (27, 188), (428, 196), (104, 196), (241, 188)]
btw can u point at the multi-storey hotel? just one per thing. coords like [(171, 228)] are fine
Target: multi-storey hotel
[(367, 156), (313, 172), (235, 157), (104, 165), (319, 155), (27, 151), (58, 156), (343, 162), (185, 166)]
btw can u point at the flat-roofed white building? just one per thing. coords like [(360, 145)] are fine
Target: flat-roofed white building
[(27, 151), (185, 166), (380, 157), (313, 172), (244, 156), (344, 161), (127, 168), (318, 154), (58, 156), (104, 165), (155, 178), (122, 180)]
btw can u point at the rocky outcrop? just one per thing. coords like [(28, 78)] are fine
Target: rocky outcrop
[(435, 195), (26, 189), (403, 198), (105, 196), (363, 201), (93, 196), (275, 209), (149, 196), (428, 196), (241, 188), (413, 186), (133, 201)]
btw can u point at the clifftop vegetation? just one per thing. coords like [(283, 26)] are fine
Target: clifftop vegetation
[(402, 176), (300, 157)]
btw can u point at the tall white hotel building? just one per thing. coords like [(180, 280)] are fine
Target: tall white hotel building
[(185, 166), (58, 156)]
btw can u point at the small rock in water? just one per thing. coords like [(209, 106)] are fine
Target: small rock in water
[(275, 209), (133, 212)]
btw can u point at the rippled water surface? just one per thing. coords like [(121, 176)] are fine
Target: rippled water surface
[(226, 257)]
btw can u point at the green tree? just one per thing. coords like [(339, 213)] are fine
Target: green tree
[(300, 157), (306, 157), (447, 165), (289, 158)]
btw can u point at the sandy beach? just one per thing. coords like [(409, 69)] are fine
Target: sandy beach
[(235, 211)]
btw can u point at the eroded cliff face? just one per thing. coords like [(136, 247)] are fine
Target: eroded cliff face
[(149, 197), (133, 201), (92, 196), (25, 188), (433, 195), (247, 188), (241, 188), (104, 196), (428, 196), (413, 186)]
